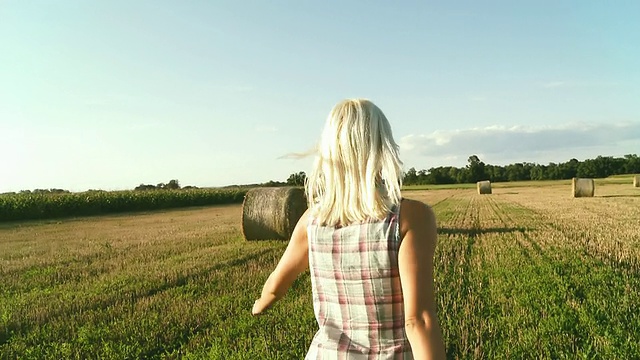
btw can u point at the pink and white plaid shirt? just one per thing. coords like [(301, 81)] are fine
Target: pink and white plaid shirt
[(357, 298)]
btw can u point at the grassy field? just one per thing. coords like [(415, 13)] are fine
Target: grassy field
[(528, 272)]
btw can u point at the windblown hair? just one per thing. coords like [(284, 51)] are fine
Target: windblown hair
[(357, 173)]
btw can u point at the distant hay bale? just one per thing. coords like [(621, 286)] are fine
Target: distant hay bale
[(583, 187), (636, 181), (484, 187), (272, 213)]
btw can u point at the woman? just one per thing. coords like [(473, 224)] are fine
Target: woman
[(370, 252)]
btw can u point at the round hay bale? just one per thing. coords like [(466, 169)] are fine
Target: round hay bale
[(636, 181), (272, 213), (484, 187), (583, 187)]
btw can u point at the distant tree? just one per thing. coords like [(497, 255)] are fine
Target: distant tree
[(632, 164), (603, 166), (172, 185), (569, 169), (272, 183), (422, 177), (440, 175), (537, 172), (475, 170), (496, 173), (457, 175), (518, 172), (587, 169), (50, 191), (297, 179), (410, 177), (143, 187), (553, 172), (59, 191)]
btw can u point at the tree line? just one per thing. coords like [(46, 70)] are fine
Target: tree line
[(477, 170), (171, 185)]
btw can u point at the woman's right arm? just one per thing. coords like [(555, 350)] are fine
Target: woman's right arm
[(415, 261)]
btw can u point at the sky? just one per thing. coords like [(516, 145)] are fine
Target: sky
[(113, 94)]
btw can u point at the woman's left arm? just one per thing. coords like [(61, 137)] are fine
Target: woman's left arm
[(294, 261)]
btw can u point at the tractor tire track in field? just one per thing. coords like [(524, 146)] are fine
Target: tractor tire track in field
[(438, 202), (567, 275), (589, 245), (594, 280), (510, 284), (458, 236), (559, 289), (606, 227)]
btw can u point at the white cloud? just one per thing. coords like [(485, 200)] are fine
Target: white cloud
[(522, 141)]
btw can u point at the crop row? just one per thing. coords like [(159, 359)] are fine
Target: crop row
[(47, 206)]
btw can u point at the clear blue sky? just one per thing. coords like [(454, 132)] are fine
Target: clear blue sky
[(112, 94)]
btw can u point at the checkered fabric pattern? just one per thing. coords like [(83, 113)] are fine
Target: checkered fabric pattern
[(357, 298)]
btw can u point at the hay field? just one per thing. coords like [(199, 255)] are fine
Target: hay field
[(527, 272)]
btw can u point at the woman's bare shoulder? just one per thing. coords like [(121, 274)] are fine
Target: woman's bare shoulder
[(415, 214), (415, 209)]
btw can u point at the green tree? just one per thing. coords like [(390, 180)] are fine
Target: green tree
[(410, 177), (632, 164), (517, 172), (569, 169), (172, 185), (475, 170), (587, 169), (422, 177), (297, 179)]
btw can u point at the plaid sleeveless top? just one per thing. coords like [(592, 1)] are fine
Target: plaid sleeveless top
[(357, 298)]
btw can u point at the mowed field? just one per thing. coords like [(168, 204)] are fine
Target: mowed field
[(527, 272)]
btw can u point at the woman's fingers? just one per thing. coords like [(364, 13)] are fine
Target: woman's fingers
[(257, 308)]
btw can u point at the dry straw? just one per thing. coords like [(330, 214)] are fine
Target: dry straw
[(583, 187), (272, 213), (484, 187), (636, 181)]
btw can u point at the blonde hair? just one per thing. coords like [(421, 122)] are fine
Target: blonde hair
[(357, 173)]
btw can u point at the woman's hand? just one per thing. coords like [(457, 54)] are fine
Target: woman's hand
[(257, 308), (262, 304), (294, 261)]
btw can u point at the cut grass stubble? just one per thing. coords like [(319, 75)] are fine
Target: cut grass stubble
[(520, 272)]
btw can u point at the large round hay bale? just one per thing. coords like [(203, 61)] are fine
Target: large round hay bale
[(636, 181), (272, 213), (583, 187), (484, 187)]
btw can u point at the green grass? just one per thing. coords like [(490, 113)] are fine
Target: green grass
[(520, 275), (507, 292)]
